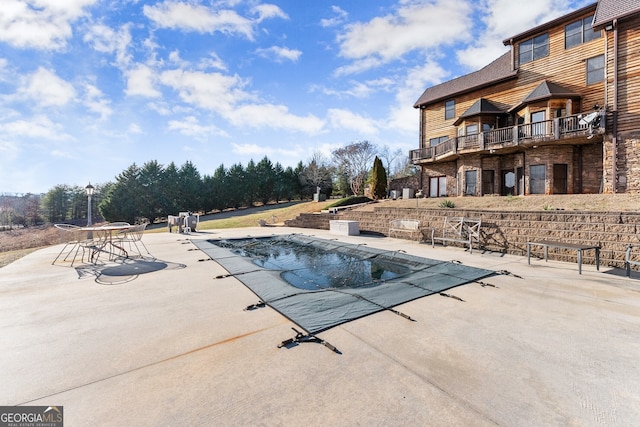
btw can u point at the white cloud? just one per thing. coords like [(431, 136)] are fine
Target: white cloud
[(175, 59), (140, 81), (213, 91), (213, 61), (360, 90), (420, 26), (192, 128), (46, 89), (278, 53), (104, 39), (274, 117), (194, 17), (95, 101), (225, 95), (345, 119), (39, 127), (265, 11), (403, 117), (39, 24), (135, 129), (340, 16)]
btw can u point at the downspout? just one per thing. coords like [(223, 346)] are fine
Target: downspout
[(614, 139), (513, 55), (423, 144)]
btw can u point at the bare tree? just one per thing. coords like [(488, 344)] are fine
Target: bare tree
[(355, 160), (317, 174), (390, 160)]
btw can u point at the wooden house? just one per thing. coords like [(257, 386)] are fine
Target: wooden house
[(556, 114)]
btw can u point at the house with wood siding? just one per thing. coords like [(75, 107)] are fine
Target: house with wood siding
[(559, 113)]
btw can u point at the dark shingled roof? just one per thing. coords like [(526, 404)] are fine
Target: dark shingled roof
[(608, 10), (497, 71), (481, 106), (546, 90)]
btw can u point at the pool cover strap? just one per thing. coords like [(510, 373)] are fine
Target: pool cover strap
[(302, 338)]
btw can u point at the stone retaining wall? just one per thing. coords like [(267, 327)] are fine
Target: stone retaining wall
[(509, 232)]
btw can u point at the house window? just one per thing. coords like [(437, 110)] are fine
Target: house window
[(537, 179), (595, 69), (535, 48), (449, 110), (538, 123), (472, 130), (435, 141), (470, 183), (580, 32)]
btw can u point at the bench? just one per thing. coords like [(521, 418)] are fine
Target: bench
[(546, 244), (459, 230), (630, 260), (344, 227), (401, 227)]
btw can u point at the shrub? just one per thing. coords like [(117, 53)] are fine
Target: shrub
[(447, 204), (347, 201)]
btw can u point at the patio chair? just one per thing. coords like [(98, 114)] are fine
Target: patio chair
[(77, 239), (132, 237)]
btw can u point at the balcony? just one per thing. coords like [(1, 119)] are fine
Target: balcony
[(575, 129)]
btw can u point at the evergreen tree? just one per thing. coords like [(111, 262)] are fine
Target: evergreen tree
[(190, 187), (152, 201), (122, 201), (378, 179), (265, 180), (172, 196), (250, 184), (236, 185)]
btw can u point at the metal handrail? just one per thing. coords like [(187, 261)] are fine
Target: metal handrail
[(512, 135)]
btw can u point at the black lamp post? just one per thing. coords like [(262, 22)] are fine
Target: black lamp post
[(89, 189)]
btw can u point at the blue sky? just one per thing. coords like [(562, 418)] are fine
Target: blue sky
[(89, 87)]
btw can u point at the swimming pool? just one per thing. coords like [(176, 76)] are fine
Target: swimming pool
[(311, 267), (319, 283)]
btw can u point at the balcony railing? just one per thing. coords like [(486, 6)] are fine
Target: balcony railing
[(548, 130)]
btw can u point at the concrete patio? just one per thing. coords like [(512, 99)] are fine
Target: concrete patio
[(541, 346)]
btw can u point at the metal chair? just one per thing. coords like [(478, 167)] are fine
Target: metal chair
[(132, 237), (77, 239)]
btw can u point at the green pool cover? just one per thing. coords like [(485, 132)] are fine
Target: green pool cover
[(319, 284)]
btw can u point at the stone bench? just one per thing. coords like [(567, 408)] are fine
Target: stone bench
[(458, 229), (344, 227), (399, 227)]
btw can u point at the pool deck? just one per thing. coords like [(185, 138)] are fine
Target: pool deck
[(542, 345)]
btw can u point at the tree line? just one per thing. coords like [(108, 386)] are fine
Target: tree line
[(152, 191)]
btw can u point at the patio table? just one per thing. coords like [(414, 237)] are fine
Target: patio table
[(105, 237)]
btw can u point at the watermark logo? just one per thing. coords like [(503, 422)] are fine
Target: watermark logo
[(31, 416)]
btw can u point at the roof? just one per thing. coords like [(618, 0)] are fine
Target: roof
[(481, 106), (497, 71), (546, 90), (551, 24), (608, 10)]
